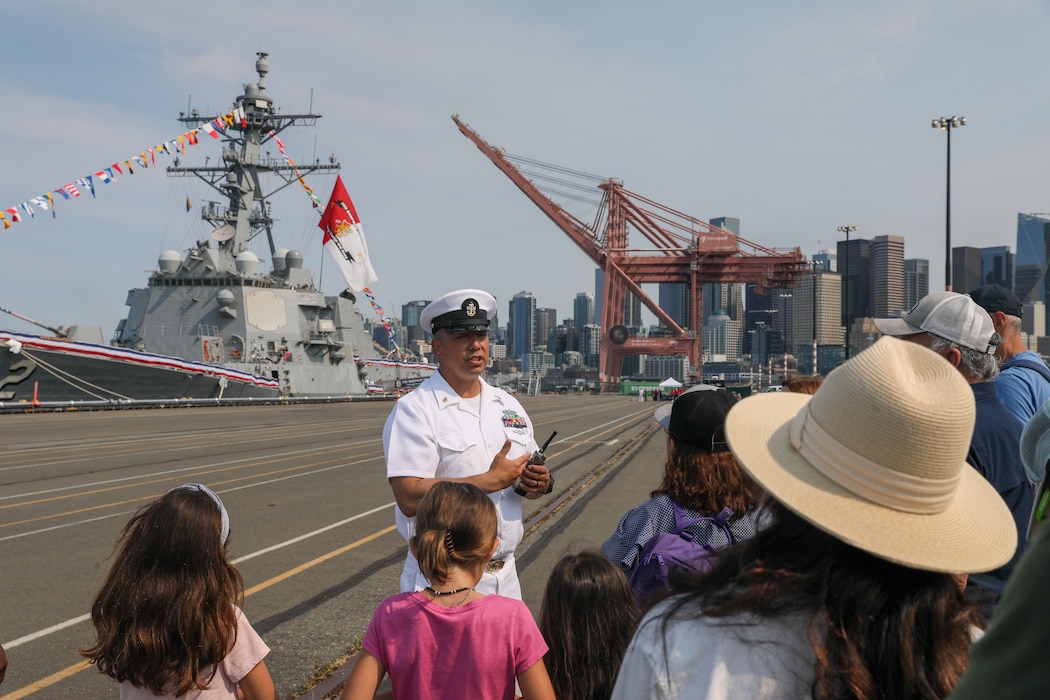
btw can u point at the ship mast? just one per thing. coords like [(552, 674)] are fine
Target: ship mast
[(238, 180)]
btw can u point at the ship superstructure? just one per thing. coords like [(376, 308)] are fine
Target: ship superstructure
[(215, 306)]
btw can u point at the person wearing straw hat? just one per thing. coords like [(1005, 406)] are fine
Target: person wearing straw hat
[(456, 426), (955, 327), (849, 592)]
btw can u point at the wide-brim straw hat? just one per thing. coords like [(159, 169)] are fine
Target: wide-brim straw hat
[(877, 458)]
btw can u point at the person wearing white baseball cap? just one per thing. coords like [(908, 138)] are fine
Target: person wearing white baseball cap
[(849, 591), (455, 426), (954, 326)]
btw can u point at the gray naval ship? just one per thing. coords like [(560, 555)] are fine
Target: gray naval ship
[(211, 324)]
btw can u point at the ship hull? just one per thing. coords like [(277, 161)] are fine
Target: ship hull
[(35, 369)]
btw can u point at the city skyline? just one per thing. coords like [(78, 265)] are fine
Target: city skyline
[(793, 118)]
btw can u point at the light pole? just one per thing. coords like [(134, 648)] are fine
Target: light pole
[(814, 318), (845, 277), (946, 124)]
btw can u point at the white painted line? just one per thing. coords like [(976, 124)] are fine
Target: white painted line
[(84, 618)]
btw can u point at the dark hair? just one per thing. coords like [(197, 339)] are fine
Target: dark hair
[(456, 524), (587, 618), (166, 608), (705, 482), (805, 384), (879, 629)]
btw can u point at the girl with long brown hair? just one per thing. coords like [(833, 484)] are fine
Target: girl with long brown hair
[(587, 617), (167, 619)]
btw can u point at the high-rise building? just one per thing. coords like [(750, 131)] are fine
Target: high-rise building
[(729, 223), (827, 260), (546, 319), (590, 344), (674, 299), (663, 366), (886, 293), (853, 264), (583, 309), (818, 296), (721, 340), (997, 266), (559, 339), (1030, 264), (766, 320), (410, 313), (916, 281), (599, 295), (725, 296), (966, 268), (521, 324), (632, 305), (973, 267), (632, 311), (1033, 318), (826, 304)]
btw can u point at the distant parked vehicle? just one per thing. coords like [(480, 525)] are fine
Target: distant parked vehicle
[(774, 387)]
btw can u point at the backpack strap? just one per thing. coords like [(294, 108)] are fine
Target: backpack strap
[(1028, 363), (683, 521)]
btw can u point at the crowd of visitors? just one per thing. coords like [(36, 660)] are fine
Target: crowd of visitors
[(832, 540)]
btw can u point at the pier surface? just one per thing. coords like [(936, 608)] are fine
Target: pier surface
[(311, 513)]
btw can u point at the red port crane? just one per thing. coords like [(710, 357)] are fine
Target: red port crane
[(684, 249)]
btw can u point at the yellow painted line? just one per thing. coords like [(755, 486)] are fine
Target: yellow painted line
[(47, 682), (314, 562), (39, 685), (76, 668)]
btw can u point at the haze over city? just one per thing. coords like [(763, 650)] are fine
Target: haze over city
[(794, 118)]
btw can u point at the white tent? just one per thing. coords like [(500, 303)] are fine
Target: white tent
[(670, 383)]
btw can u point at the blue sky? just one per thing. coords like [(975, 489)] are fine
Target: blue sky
[(794, 117)]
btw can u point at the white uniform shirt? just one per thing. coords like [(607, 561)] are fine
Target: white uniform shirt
[(432, 432)]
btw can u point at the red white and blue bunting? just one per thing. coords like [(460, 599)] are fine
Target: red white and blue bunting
[(45, 202)]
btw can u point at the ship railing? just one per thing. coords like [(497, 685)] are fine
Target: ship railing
[(207, 331), (111, 405)]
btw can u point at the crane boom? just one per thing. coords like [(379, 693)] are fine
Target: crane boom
[(682, 249)]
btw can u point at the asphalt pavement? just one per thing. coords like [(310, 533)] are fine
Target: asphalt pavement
[(311, 518)]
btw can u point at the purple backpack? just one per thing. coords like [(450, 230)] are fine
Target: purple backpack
[(652, 567)]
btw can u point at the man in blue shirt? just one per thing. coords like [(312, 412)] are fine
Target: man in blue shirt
[(955, 327), (1024, 379)]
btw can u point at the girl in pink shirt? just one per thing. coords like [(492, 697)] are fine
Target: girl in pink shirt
[(448, 640), (167, 618)]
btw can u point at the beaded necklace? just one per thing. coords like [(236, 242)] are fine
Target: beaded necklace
[(437, 594)]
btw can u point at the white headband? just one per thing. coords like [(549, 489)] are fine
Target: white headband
[(218, 502)]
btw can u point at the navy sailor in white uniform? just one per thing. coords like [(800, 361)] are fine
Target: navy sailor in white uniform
[(454, 426)]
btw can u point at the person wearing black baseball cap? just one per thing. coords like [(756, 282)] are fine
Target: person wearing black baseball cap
[(701, 478), (455, 426), (1023, 385)]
